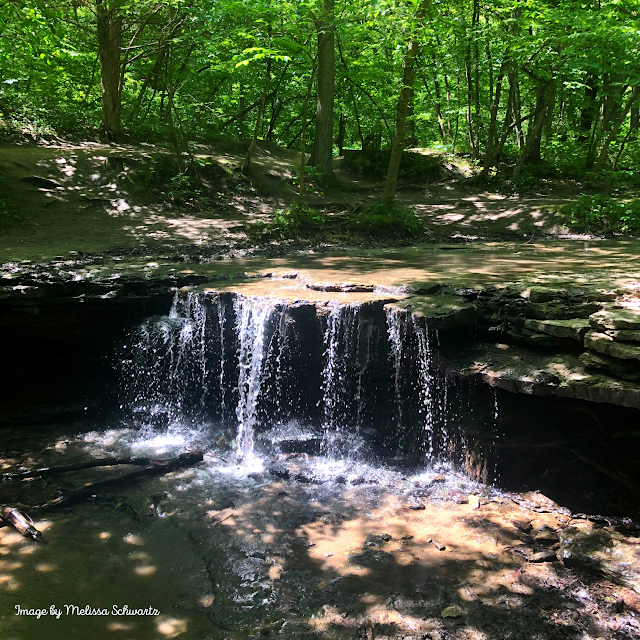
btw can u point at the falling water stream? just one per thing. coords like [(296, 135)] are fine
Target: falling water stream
[(229, 358)]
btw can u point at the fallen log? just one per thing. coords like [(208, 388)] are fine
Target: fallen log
[(78, 466), (22, 523), (157, 467)]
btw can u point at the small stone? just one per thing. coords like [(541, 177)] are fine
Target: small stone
[(543, 556), (221, 442), (474, 502)]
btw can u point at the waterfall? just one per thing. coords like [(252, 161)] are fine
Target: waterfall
[(253, 318), (396, 340), (412, 355), (220, 358), (168, 358), (340, 371)]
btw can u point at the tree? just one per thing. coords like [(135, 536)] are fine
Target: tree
[(322, 154)]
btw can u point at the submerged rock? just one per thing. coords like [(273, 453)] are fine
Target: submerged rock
[(603, 552)]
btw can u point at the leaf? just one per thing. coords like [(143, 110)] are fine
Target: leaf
[(450, 612)]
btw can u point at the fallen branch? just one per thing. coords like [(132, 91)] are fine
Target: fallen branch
[(78, 466), (155, 467), (21, 522)]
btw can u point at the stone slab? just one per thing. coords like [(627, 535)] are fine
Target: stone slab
[(574, 329), (603, 343), (615, 319), (522, 370), (557, 310), (625, 369), (440, 311)]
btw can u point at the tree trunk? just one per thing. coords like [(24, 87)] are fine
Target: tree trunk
[(275, 112), (342, 129), (254, 141), (588, 111), (616, 127), (147, 81), (322, 155), (109, 27), (303, 134), (535, 131), (402, 109)]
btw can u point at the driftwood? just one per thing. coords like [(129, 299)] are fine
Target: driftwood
[(23, 523)]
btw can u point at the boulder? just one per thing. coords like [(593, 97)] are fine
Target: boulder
[(574, 329), (604, 343), (615, 319)]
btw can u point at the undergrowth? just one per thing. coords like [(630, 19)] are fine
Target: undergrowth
[(377, 222), (601, 214)]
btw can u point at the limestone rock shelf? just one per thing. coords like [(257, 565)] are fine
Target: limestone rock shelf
[(522, 370)]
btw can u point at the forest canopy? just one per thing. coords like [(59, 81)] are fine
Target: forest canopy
[(552, 80)]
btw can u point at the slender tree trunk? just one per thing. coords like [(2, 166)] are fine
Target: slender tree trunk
[(254, 141), (147, 81), (275, 112), (342, 129), (588, 110), (303, 133), (616, 127), (109, 27), (357, 115), (534, 132), (635, 122), (402, 109), (322, 155)]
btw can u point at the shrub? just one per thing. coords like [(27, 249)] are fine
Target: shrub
[(376, 221), (601, 214), (380, 220)]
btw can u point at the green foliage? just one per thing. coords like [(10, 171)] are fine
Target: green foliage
[(372, 222), (385, 221), (601, 214), (292, 222)]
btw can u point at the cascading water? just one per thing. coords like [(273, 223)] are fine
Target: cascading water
[(253, 319), (341, 369), (335, 370), (414, 372)]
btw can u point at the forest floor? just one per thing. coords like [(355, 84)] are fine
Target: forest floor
[(94, 199)]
